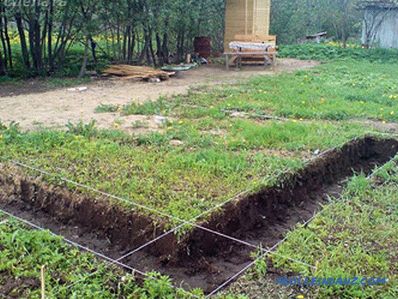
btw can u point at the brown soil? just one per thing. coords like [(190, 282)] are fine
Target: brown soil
[(80, 214), (202, 259), (34, 107), (16, 287)]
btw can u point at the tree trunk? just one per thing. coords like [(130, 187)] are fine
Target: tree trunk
[(22, 38), (131, 47), (3, 45), (165, 48), (126, 40), (49, 37), (7, 40), (37, 39), (159, 50), (151, 50), (180, 45), (85, 59), (144, 51), (93, 45), (2, 65)]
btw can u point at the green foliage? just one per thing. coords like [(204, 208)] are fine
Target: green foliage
[(161, 106), (106, 108), (334, 51), (82, 129), (294, 20), (69, 273), (91, 30), (351, 237)]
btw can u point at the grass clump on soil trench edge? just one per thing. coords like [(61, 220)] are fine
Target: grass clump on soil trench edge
[(354, 236), (68, 272), (182, 181), (218, 155)]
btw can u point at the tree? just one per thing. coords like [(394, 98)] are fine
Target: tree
[(2, 64), (293, 20), (344, 17), (144, 31), (6, 53)]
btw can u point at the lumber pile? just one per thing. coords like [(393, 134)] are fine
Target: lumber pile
[(136, 72)]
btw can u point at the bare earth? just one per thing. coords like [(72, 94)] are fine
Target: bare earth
[(55, 108)]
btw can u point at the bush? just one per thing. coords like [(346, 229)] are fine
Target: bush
[(333, 51)]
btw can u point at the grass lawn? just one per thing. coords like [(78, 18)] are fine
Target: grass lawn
[(218, 155), (183, 181), (238, 138)]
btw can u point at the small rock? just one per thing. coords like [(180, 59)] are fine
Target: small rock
[(154, 80), (317, 152), (238, 114), (176, 142), (79, 89), (160, 120)]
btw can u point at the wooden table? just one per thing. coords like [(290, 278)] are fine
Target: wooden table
[(268, 56), (252, 49)]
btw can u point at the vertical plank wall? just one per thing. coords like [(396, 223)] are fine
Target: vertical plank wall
[(246, 17)]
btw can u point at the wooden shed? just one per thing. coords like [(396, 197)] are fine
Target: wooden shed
[(380, 23), (246, 18)]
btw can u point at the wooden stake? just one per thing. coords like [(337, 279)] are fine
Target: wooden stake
[(43, 283)]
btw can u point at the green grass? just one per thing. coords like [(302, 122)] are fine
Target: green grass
[(356, 236), (182, 181), (334, 51), (106, 108), (42, 84), (339, 90), (221, 155), (68, 272)]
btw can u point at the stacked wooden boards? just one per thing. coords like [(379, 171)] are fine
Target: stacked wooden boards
[(136, 72)]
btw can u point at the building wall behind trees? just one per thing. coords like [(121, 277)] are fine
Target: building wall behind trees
[(380, 27)]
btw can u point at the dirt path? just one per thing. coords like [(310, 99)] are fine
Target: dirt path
[(55, 108)]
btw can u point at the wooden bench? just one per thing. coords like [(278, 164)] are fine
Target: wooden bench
[(251, 49), (268, 58), (257, 38)]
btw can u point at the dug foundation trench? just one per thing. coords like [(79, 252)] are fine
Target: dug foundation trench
[(203, 258)]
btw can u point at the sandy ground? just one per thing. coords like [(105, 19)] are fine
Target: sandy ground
[(55, 108)]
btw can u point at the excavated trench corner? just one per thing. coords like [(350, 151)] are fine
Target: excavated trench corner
[(202, 259)]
